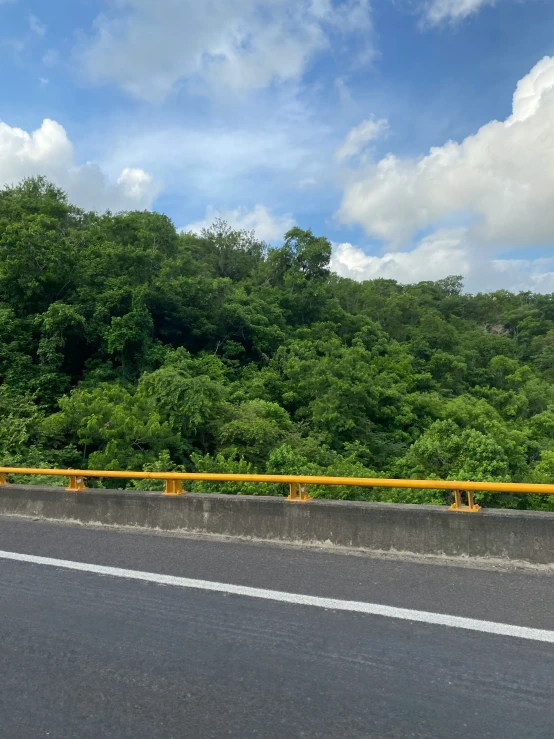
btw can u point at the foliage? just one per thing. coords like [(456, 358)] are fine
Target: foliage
[(127, 345), (232, 465)]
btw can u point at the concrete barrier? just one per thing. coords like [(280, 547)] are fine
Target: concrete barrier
[(522, 536)]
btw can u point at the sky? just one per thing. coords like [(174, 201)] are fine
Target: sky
[(417, 135)]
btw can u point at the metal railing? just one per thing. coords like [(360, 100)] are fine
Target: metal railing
[(297, 483)]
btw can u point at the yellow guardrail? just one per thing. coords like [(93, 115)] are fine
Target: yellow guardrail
[(297, 483)]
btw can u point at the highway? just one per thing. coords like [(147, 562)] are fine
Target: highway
[(86, 655)]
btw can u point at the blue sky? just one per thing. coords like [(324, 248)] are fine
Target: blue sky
[(332, 114)]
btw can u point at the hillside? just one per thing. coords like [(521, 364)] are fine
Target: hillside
[(127, 345)]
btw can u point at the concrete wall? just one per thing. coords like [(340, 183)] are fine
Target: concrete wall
[(423, 530)]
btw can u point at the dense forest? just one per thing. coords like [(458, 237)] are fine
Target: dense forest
[(125, 344)]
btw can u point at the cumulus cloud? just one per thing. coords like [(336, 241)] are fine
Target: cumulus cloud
[(499, 182), (149, 46), (445, 253), (438, 11), (496, 187), (268, 227), (358, 138), (49, 152), (437, 256)]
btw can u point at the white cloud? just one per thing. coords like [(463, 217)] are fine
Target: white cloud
[(358, 138), (442, 254), (536, 275), (487, 195), (267, 226), (499, 181), (346, 15), (49, 152), (436, 257), (36, 25), (437, 11), (148, 47)]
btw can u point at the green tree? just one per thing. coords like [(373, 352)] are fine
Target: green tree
[(253, 429), (111, 427)]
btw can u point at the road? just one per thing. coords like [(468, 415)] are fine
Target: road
[(85, 655)]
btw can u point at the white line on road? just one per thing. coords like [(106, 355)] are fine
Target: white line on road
[(373, 609)]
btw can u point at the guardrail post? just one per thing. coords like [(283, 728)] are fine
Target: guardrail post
[(3, 478), (173, 487), (75, 484), (471, 506), (298, 493)]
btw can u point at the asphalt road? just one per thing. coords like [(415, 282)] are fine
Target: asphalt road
[(90, 656)]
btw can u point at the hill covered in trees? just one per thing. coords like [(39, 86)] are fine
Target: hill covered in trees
[(127, 345)]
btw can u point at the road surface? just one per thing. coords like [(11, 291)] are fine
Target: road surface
[(89, 655)]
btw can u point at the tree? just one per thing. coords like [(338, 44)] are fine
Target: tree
[(446, 452), (111, 427), (189, 395), (253, 429)]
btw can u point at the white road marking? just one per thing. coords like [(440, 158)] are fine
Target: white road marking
[(373, 609)]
